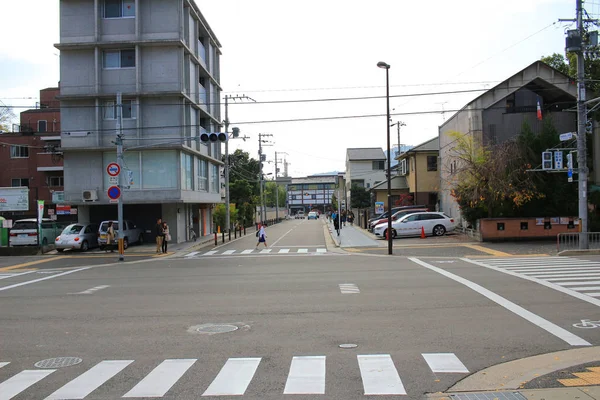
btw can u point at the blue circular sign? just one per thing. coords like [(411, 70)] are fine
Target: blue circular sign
[(114, 192)]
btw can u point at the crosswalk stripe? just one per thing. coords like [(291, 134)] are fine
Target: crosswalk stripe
[(248, 251), (321, 250), (90, 380), (302, 250), (283, 251), (579, 283), (234, 377), (265, 251), (15, 385), (209, 253), (192, 254), (307, 376), (559, 278), (348, 288), (593, 294), (161, 379), (586, 288), (379, 375), (444, 363), (3, 364), (565, 274), (552, 270), (229, 252)]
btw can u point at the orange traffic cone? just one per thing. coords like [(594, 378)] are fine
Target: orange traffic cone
[(422, 233)]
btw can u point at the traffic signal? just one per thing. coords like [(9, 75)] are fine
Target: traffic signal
[(546, 160), (213, 137), (235, 132)]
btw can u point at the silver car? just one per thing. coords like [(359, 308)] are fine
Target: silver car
[(131, 235), (77, 236)]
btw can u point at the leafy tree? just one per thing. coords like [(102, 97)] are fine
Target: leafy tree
[(6, 117), (568, 66), (271, 188), (219, 214), (244, 188), (359, 197), (334, 202)]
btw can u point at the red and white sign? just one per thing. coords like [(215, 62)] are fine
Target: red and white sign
[(113, 169)]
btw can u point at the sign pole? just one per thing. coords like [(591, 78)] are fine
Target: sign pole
[(119, 143)]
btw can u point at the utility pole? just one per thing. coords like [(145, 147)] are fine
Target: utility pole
[(119, 142), (399, 124), (262, 157), (226, 169), (277, 195)]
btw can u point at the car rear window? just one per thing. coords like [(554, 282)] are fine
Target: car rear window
[(25, 225), (104, 226), (72, 230)]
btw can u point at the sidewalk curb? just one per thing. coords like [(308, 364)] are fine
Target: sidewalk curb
[(512, 374)]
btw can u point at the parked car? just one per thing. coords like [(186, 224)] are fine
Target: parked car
[(397, 215), (131, 234), (77, 236), (394, 210), (25, 232), (313, 215), (299, 215), (434, 223)]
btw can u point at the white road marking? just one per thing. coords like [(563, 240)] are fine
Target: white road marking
[(563, 274), (92, 290), (283, 251), (281, 237), (90, 380), (593, 294), (579, 283), (15, 385), (444, 363), (586, 288), (379, 375), (302, 250), (41, 279), (15, 274), (321, 250), (161, 379), (228, 252), (552, 270), (209, 253), (3, 364), (248, 251), (349, 288), (192, 254), (561, 278), (307, 376), (234, 377), (570, 292), (265, 251), (548, 326)]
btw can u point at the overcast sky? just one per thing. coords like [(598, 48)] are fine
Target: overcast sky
[(276, 50)]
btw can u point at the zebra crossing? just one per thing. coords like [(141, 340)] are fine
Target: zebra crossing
[(257, 251), (305, 375), (569, 275)]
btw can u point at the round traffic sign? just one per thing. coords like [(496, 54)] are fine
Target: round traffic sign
[(114, 192), (113, 169)]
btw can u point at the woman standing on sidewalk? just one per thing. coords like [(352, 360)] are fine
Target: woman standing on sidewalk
[(166, 237)]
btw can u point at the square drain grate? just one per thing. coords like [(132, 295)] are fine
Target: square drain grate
[(489, 396)]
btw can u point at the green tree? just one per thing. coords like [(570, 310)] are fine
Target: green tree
[(6, 118), (334, 202), (219, 215), (243, 186), (359, 197)]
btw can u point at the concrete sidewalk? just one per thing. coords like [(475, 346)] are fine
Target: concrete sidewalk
[(353, 236)]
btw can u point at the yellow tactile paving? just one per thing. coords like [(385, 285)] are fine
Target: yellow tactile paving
[(583, 378), (573, 382)]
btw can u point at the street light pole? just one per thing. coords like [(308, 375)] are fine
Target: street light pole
[(386, 66)]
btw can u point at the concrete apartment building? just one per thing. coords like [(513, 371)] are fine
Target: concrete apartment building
[(164, 58), (311, 193), (30, 156), (365, 167)]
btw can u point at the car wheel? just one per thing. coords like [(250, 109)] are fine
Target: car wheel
[(394, 234), (125, 244), (141, 239), (60, 250), (439, 230), (85, 246)]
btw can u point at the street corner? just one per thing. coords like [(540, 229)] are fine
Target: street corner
[(587, 374)]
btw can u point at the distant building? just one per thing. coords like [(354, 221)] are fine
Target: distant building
[(419, 166), (312, 192), (365, 167)]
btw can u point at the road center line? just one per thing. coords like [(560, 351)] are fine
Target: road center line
[(41, 279), (281, 237), (535, 319)]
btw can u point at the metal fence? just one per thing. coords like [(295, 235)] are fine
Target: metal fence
[(570, 241)]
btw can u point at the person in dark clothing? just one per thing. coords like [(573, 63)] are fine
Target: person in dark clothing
[(158, 231), (336, 222), (166, 236)]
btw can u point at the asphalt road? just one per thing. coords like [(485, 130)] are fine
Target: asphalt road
[(411, 319)]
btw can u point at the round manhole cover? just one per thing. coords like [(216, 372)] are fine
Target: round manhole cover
[(348, 346), (216, 328), (58, 362)]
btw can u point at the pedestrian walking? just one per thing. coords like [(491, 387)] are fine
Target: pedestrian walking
[(166, 237), (336, 222), (351, 217), (262, 236), (158, 232), (110, 236), (344, 217)]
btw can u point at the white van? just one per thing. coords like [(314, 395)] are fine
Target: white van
[(25, 232)]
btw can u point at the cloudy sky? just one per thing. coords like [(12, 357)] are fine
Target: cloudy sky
[(283, 53)]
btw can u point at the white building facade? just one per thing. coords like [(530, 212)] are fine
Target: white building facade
[(164, 59)]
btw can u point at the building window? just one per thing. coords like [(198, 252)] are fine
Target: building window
[(378, 165), (54, 181), (119, 8), (214, 178), (128, 109), (187, 172), (42, 126), (19, 182), (119, 58), (313, 196), (431, 163), (202, 175), (294, 197), (19, 152)]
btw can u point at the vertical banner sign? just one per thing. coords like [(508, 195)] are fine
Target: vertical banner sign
[(558, 160), (40, 210)]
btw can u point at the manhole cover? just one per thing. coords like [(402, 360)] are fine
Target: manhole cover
[(348, 346), (216, 328), (58, 362)]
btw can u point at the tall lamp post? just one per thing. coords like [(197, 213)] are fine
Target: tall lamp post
[(386, 66)]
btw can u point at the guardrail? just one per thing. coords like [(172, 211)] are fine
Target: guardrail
[(570, 241)]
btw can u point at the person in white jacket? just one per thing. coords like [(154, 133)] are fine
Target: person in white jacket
[(262, 236)]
